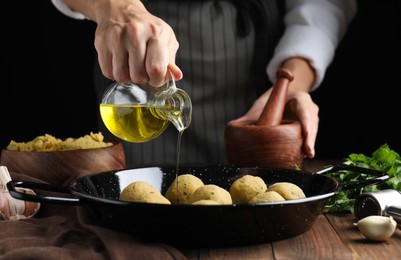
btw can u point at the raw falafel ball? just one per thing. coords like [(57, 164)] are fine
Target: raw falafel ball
[(211, 192), (181, 193), (288, 190), (140, 191), (206, 202), (268, 196), (246, 187)]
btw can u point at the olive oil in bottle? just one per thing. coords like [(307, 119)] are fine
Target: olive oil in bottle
[(133, 123), (139, 112)]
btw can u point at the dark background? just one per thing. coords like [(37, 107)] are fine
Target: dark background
[(49, 86), (47, 83), (360, 100)]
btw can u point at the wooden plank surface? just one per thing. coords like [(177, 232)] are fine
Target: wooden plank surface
[(363, 248), (333, 236), (320, 242), (259, 251)]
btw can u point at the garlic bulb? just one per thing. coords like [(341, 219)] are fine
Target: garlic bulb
[(377, 228), (11, 208)]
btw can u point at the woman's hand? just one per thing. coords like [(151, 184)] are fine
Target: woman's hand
[(299, 105), (132, 44)]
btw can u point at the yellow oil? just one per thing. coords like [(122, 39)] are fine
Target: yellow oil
[(133, 123)]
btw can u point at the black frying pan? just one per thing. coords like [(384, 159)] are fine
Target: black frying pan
[(200, 225)]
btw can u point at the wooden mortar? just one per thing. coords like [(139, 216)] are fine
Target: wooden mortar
[(271, 141)]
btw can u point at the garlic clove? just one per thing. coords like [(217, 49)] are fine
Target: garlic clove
[(377, 228), (14, 209), (11, 208)]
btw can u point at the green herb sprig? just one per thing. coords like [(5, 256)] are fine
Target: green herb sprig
[(383, 159)]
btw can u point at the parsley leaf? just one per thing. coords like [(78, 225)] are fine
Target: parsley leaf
[(383, 159)]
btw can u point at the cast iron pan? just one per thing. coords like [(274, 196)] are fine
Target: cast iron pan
[(200, 225)]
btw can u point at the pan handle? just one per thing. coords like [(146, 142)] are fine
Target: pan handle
[(11, 185), (380, 176)]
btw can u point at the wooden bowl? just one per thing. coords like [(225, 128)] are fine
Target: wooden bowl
[(265, 146), (63, 167)]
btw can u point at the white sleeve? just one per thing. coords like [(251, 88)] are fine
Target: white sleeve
[(313, 30), (66, 10)]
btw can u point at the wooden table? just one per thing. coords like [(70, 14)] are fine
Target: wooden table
[(333, 236)]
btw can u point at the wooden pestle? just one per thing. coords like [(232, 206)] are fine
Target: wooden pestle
[(273, 111)]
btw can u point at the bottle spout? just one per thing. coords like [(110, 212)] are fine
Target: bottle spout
[(176, 106)]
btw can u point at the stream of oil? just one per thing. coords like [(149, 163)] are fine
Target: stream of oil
[(177, 166)]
